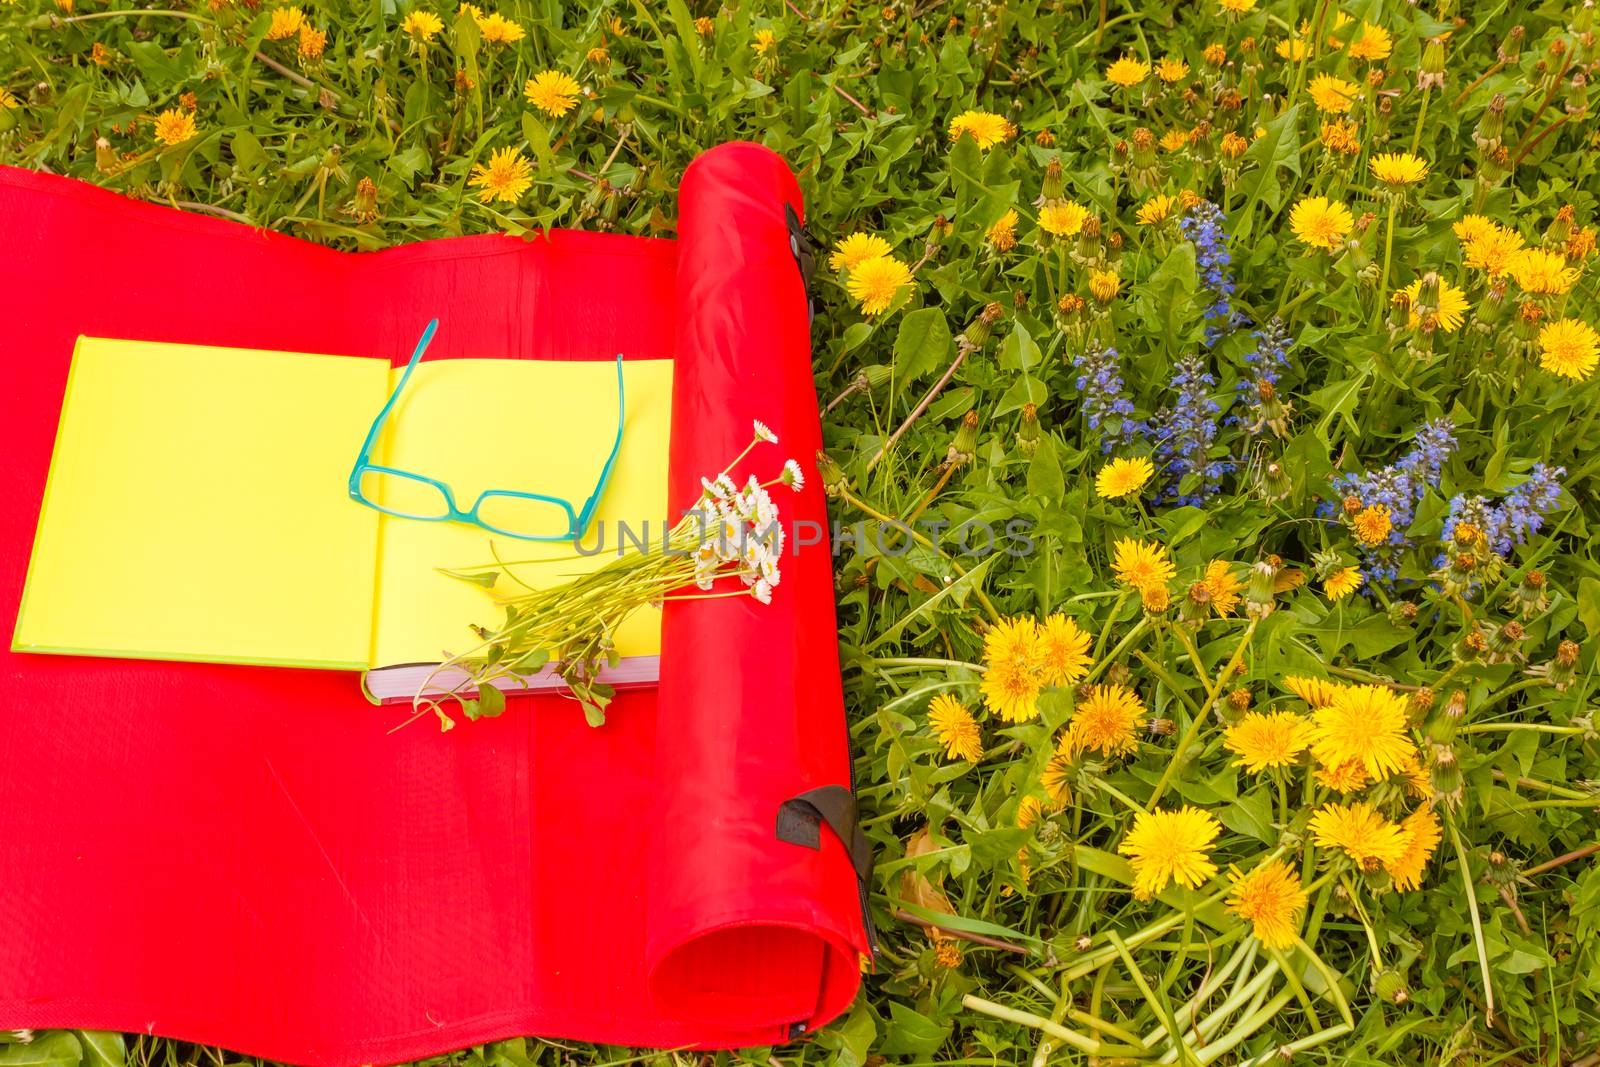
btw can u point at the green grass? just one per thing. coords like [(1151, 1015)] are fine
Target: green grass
[(937, 409)]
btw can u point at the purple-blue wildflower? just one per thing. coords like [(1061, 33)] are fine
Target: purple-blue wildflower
[(1203, 227)]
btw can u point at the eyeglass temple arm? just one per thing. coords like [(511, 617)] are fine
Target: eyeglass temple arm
[(605, 472), (377, 424)]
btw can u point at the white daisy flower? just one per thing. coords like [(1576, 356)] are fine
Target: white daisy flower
[(763, 592), (792, 476), (764, 434)]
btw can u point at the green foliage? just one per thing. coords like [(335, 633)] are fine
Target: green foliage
[(962, 403)]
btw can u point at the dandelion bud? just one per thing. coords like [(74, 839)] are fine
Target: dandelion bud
[(1155, 598), (1563, 667), (1239, 700), (1531, 598), (1044, 138), (1054, 184), (1560, 227), (1472, 647), (1196, 606), (1028, 432), (1083, 943), (1070, 307), (1116, 674), (1578, 94), (947, 954), (833, 477), (1511, 47), (1233, 146), (105, 157), (1103, 286), (1259, 591), (1274, 482), (1215, 55), (1391, 986), (965, 445), (365, 206), (1160, 727), (1402, 613), (1492, 125), (979, 330)]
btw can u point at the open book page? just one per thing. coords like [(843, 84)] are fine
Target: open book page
[(527, 426)]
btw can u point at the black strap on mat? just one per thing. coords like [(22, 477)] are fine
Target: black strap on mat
[(800, 822), (804, 246)]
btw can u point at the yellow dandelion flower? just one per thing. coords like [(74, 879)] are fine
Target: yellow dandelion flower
[(423, 25), (1127, 72), (765, 42), (174, 126), (705, 26), (1029, 811), (1396, 169), (1123, 477), (1056, 778), (1223, 585), (984, 127), (877, 282), (1316, 692), (1471, 228), (1364, 835), (1170, 846), (1156, 209), (1421, 832), (1372, 524), (1418, 782), (1293, 49), (1107, 721), (955, 728), (554, 92), (1570, 348), (1175, 140), (1333, 96), (1063, 651), (1270, 897), (311, 42), (471, 9), (497, 29), (1541, 272), (1341, 137), (1142, 565), (1267, 739), (1342, 582), (1012, 678), (1491, 251), (1011, 694), (506, 177), (286, 22), (1062, 218), (1373, 42), (1002, 234), (1347, 777), (1103, 285), (1365, 723), (8, 100), (1238, 7), (598, 57), (1452, 309), (1320, 222), (857, 249), (1170, 69)]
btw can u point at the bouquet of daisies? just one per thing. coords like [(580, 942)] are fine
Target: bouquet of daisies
[(729, 544)]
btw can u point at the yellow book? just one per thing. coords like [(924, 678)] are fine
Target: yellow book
[(197, 505)]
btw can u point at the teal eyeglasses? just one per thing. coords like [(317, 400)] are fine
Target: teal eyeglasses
[(528, 516)]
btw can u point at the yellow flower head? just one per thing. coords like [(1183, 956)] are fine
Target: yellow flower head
[(1452, 309), (1170, 846), (1223, 586), (174, 126), (1365, 836), (1341, 137), (1123, 477), (765, 42), (1127, 72), (1342, 582), (1002, 235), (1396, 169), (311, 42), (1365, 723), (955, 728), (1490, 250), (1540, 272), (1174, 140), (1107, 721), (705, 26), (1156, 209), (1372, 524), (1293, 49), (877, 282), (1029, 811), (984, 127), (1316, 692), (1421, 837), (497, 29), (1320, 222), (286, 22), (1267, 739), (1170, 69), (1063, 651), (1347, 777), (1103, 285), (506, 177), (1570, 348), (1056, 778), (1013, 673), (1238, 7), (1373, 42), (856, 249), (554, 92), (1142, 565), (1270, 897), (1470, 228), (1333, 96), (423, 25), (1062, 218)]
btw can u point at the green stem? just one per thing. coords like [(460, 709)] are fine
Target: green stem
[(1388, 254), (1180, 754)]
